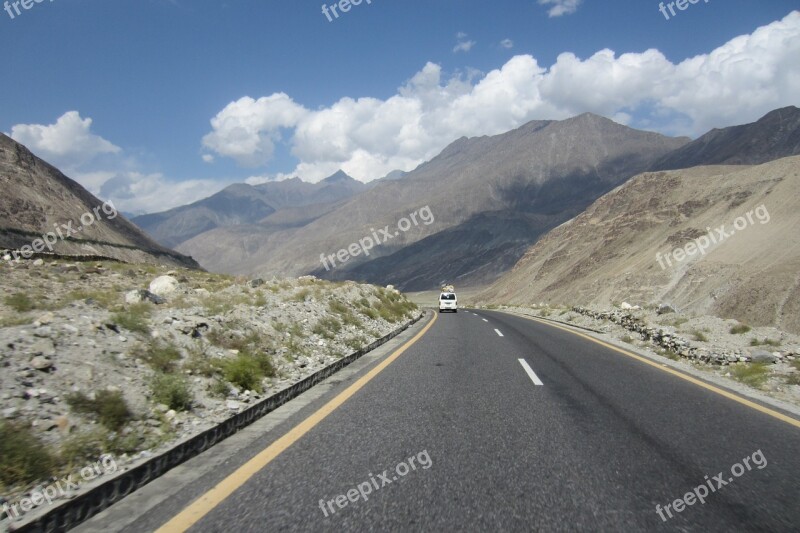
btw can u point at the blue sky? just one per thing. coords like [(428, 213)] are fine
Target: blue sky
[(155, 103)]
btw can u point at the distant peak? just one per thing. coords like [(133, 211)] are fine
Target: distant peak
[(338, 177)]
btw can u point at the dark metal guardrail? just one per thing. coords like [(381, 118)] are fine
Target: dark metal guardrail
[(71, 513)]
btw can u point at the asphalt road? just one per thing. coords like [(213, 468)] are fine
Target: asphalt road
[(579, 437)]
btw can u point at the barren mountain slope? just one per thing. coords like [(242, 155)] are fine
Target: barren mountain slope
[(243, 204), (608, 253), (536, 177), (773, 136), (37, 198)]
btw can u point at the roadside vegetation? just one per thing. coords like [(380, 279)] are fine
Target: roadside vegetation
[(753, 374), (153, 370)]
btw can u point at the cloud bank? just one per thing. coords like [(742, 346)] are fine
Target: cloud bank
[(368, 137)]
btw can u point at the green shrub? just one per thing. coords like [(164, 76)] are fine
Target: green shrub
[(135, 318), (678, 322), (20, 302), (327, 327), (23, 457), (393, 307), (356, 343), (371, 313), (87, 446), (261, 299), (171, 390), (246, 370), (108, 408), (296, 331), (338, 307), (740, 329), (300, 296), (162, 357), (764, 342), (104, 298), (199, 363), (220, 388), (699, 336), (752, 374)]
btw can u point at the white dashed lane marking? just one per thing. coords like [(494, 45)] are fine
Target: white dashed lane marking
[(531, 373)]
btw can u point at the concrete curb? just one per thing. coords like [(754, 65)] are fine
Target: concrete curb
[(71, 513)]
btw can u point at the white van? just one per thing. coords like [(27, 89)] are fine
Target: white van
[(448, 301)]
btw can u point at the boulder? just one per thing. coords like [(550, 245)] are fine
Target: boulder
[(762, 356), (164, 285), (41, 363), (141, 295), (665, 309)]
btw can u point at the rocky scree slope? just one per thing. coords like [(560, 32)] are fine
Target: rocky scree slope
[(608, 253)]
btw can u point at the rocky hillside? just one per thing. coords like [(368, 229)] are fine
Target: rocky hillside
[(44, 210), (121, 359), (491, 197), (774, 136), (263, 208), (642, 242)]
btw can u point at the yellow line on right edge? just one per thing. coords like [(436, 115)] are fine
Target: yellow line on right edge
[(690, 379), (208, 501)]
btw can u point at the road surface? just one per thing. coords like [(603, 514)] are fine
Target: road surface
[(493, 422)]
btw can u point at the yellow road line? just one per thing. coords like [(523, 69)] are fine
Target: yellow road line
[(208, 501), (736, 398)]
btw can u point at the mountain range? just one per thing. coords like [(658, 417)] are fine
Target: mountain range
[(495, 202), (491, 196)]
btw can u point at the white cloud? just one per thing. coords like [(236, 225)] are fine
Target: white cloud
[(367, 137), (138, 193), (208, 158), (67, 143), (464, 44), (561, 7), (246, 130), (507, 43)]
